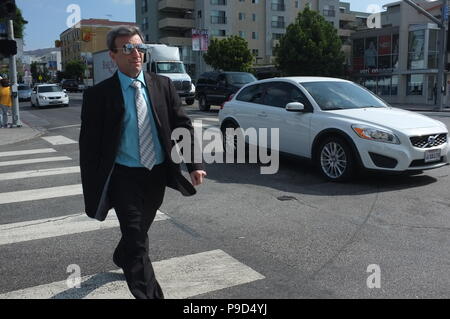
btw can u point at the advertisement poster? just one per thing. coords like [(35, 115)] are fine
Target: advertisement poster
[(199, 40)]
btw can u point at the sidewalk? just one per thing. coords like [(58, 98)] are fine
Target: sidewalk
[(18, 134)]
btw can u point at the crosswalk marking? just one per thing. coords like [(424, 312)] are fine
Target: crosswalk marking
[(36, 160), (39, 173), (179, 277), (59, 226), (59, 140), (40, 193), (27, 152)]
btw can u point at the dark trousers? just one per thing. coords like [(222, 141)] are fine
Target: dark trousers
[(136, 194)]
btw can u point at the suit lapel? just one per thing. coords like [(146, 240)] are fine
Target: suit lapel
[(153, 93)]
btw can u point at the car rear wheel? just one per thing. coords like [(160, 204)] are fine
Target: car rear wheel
[(203, 104), (335, 159)]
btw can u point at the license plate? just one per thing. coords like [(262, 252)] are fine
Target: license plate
[(432, 156), (55, 102)]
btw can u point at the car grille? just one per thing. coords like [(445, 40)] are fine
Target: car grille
[(428, 141), (54, 97), (182, 85)]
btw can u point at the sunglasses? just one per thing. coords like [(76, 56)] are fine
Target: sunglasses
[(128, 48)]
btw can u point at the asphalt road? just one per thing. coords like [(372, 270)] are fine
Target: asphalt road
[(305, 237)]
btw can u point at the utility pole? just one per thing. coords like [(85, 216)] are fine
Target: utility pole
[(13, 77), (442, 79)]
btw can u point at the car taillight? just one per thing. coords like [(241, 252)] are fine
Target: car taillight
[(229, 99)]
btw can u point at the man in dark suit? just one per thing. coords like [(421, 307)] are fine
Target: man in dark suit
[(125, 146)]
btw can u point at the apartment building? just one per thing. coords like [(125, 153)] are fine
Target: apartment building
[(78, 43), (260, 22), (399, 61)]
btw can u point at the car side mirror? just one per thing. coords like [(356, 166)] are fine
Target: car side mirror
[(295, 107), (65, 91)]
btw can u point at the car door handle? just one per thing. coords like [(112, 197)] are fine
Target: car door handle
[(262, 114)]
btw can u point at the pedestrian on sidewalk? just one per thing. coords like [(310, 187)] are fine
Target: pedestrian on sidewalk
[(125, 154), (5, 101)]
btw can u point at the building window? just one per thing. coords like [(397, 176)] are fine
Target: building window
[(278, 22), (241, 16), (218, 17), (219, 2), (242, 34), (145, 23), (255, 1), (277, 36), (144, 7), (254, 17), (278, 5), (296, 4), (255, 35), (416, 48), (415, 84), (433, 49), (328, 11), (218, 33), (255, 52)]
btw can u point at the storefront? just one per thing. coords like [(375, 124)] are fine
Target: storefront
[(398, 71)]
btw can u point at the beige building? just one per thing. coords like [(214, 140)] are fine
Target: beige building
[(78, 43), (260, 22)]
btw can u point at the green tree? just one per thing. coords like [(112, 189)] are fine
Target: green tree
[(39, 70), (310, 46), (229, 54), (18, 24), (75, 69)]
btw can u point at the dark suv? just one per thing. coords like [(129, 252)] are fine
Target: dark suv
[(70, 85), (214, 88)]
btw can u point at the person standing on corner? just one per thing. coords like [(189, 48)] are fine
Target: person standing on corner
[(125, 146), (5, 102)]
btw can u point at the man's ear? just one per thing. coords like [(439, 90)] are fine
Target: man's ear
[(112, 55)]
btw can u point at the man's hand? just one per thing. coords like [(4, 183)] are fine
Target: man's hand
[(197, 177)]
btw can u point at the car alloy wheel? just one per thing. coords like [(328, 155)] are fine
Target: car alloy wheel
[(335, 160), (203, 104)]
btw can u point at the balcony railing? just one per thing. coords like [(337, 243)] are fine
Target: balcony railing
[(218, 20), (329, 13), (278, 24), (278, 7)]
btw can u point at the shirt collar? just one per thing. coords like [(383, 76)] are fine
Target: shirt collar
[(126, 81)]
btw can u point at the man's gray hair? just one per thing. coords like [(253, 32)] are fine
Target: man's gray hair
[(121, 31)]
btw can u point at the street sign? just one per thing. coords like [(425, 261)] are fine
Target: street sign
[(445, 13)]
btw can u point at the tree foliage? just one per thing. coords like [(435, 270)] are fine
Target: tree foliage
[(18, 24), (39, 70), (75, 69), (229, 54), (311, 47)]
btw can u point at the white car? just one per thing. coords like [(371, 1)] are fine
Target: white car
[(337, 124), (49, 94)]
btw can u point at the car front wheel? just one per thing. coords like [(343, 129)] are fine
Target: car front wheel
[(335, 159)]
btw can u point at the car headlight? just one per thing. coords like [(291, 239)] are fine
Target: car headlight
[(42, 97), (192, 88), (375, 134)]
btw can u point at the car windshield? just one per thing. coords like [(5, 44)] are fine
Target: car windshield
[(240, 78), (170, 67), (332, 95), (46, 89), (23, 87)]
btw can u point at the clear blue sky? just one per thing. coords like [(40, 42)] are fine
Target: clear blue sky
[(47, 18)]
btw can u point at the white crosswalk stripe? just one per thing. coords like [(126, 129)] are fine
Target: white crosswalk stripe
[(58, 226), (36, 160), (59, 140), (179, 277)]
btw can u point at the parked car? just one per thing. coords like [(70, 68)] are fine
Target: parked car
[(24, 91), (70, 85), (214, 88), (337, 124), (49, 94)]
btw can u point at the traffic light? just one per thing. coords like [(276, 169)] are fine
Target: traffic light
[(7, 9), (8, 48)]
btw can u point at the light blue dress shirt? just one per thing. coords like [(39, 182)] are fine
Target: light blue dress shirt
[(128, 153)]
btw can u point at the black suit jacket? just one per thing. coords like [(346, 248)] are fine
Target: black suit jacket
[(101, 125)]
